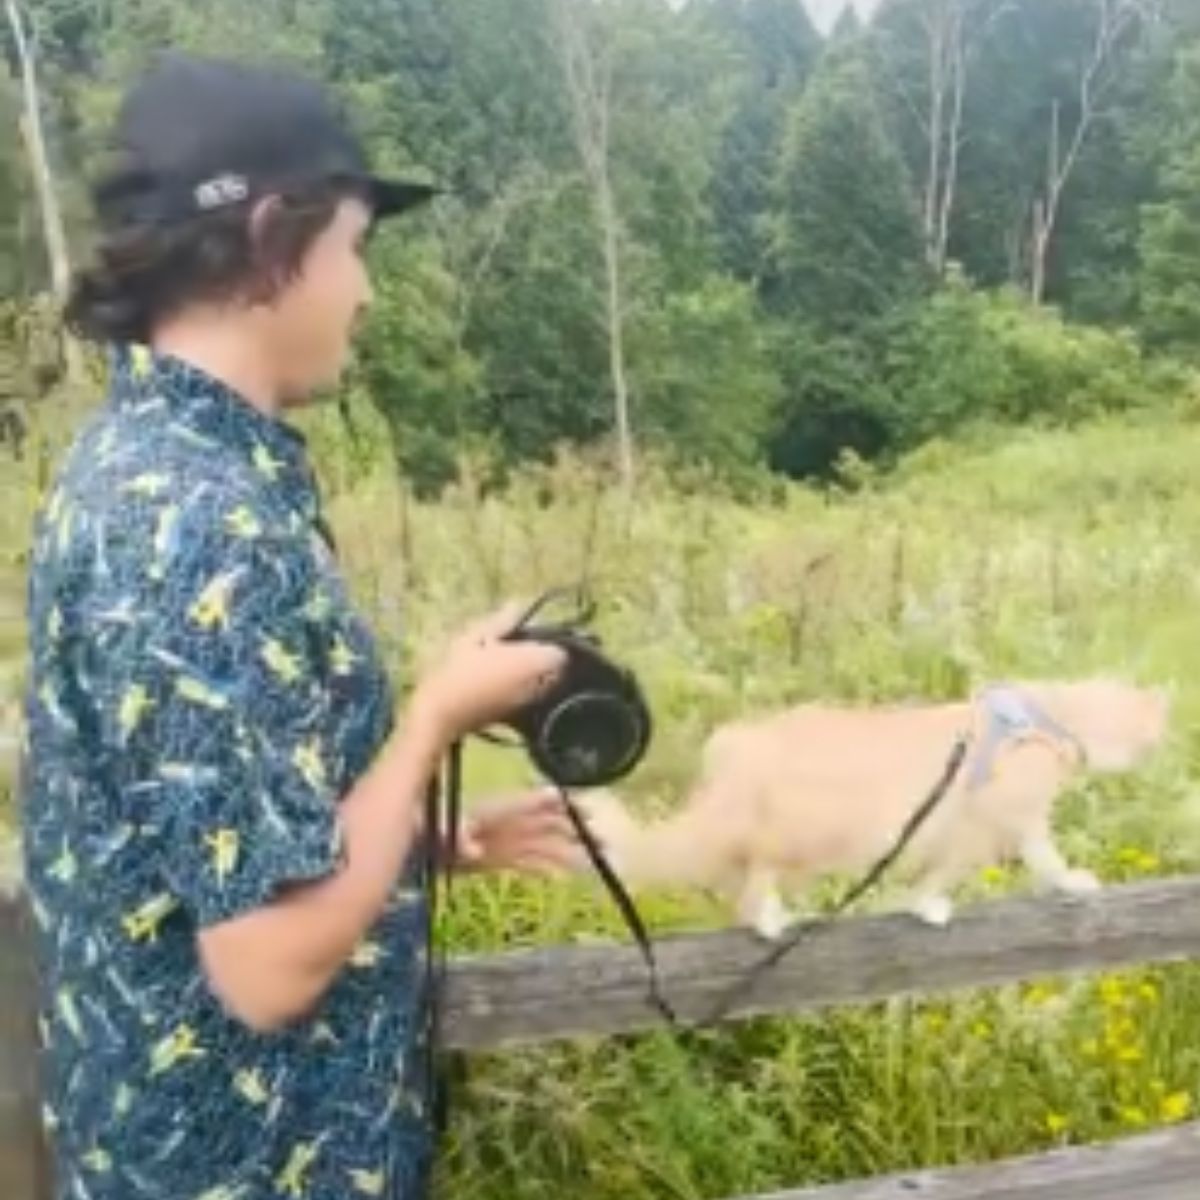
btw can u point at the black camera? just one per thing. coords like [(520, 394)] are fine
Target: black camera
[(593, 726)]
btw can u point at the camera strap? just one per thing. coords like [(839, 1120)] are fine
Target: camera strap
[(441, 842), (623, 901)]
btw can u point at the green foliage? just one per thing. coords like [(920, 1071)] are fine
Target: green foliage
[(742, 147), (1055, 553), (412, 363), (22, 269), (31, 358), (707, 386), (776, 47), (535, 324), (847, 242), (834, 400), (1171, 262), (1171, 227), (968, 356)]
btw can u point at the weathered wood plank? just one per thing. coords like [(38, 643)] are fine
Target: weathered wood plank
[(23, 1164), (540, 995), (563, 991), (1159, 1166)]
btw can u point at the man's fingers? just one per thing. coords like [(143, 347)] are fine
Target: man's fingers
[(543, 864), (499, 623), (468, 846), (539, 823)]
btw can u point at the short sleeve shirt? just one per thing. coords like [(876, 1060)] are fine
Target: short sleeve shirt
[(202, 696)]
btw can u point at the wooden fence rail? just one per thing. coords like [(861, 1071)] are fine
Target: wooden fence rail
[(1159, 1166), (539, 995), (531, 996)]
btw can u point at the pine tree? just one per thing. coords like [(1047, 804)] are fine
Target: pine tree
[(848, 238), (1170, 242)]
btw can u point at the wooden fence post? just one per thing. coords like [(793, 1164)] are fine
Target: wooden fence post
[(24, 1161)]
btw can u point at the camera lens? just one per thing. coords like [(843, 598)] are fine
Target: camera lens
[(591, 739)]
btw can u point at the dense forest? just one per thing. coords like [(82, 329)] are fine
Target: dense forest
[(702, 228)]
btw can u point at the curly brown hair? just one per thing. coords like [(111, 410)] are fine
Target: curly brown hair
[(145, 272)]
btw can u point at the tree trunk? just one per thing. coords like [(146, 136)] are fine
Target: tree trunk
[(39, 164), (33, 136), (950, 41), (936, 31), (958, 69), (589, 83), (616, 334), (1114, 19)]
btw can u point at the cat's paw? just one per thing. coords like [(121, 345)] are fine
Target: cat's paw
[(1079, 883), (936, 911), (772, 920)]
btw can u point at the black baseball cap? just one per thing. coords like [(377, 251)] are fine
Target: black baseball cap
[(195, 135)]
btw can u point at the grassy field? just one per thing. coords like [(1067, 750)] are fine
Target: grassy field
[(1046, 554)]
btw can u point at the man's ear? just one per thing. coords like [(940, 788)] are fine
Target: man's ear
[(263, 213), (260, 224)]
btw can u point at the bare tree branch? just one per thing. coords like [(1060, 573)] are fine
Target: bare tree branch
[(953, 32), (587, 72), (1115, 18), (25, 44)]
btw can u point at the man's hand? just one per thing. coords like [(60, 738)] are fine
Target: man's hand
[(528, 832)]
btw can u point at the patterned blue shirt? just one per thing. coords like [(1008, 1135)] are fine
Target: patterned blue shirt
[(201, 695)]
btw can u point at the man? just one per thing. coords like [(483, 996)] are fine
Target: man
[(222, 821)]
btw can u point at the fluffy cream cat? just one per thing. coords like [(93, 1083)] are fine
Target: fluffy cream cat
[(819, 788)]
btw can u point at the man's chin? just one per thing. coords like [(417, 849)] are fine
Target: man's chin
[(317, 392)]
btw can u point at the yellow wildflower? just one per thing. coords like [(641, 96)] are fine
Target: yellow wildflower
[(1040, 993)]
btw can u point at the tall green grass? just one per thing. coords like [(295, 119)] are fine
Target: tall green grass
[(1042, 555)]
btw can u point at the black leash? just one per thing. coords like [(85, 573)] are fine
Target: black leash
[(624, 902), (443, 804), (443, 824), (913, 826)]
